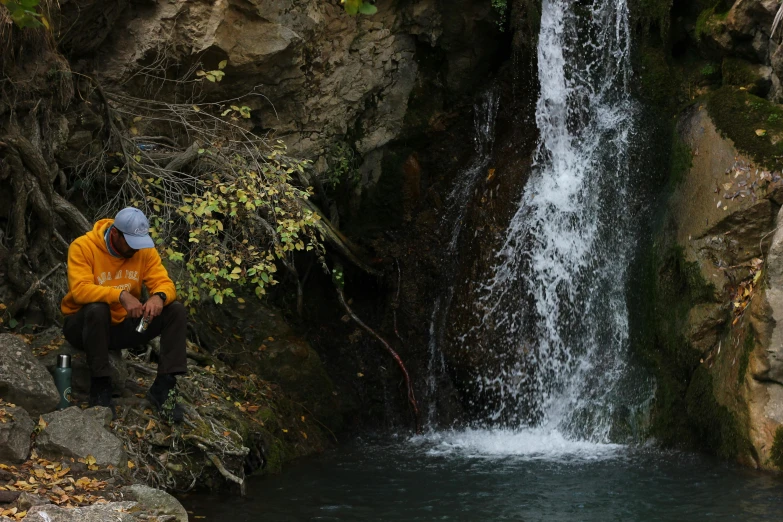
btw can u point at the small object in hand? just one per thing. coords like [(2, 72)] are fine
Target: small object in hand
[(143, 324)]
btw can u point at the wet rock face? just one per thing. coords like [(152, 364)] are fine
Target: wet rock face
[(73, 433), (15, 429), (722, 220), (23, 379)]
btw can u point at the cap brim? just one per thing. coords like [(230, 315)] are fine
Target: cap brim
[(139, 242)]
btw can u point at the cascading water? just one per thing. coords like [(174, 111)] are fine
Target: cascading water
[(553, 321), (557, 296)]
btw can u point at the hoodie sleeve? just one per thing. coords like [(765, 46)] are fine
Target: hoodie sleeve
[(156, 278), (81, 279)]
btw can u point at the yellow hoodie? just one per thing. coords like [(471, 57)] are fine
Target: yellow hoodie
[(96, 276)]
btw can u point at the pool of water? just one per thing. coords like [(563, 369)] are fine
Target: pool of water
[(501, 475)]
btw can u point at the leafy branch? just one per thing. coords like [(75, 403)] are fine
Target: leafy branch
[(24, 13)]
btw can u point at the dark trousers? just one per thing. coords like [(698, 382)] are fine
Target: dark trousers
[(90, 329)]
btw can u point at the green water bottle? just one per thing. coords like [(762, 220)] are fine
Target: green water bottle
[(62, 379)]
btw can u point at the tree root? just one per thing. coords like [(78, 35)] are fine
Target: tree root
[(24, 300), (226, 473)]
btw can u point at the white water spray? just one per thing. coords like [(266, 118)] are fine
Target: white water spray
[(555, 305)]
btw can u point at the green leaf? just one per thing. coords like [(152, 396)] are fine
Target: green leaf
[(352, 6), (12, 323), (222, 64), (368, 9)]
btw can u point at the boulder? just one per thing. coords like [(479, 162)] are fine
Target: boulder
[(100, 414), (15, 429), (111, 511), (155, 502), (74, 433), (23, 379)]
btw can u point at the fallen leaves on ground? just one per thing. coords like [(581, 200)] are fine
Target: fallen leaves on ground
[(53, 345), (54, 481), (5, 416)]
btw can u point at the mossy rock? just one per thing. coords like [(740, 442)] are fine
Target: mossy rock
[(776, 454), (716, 428), (670, 286), (660, 83), (681, 158), (754, 124), (711, 21), (752, 78), (653, 13)]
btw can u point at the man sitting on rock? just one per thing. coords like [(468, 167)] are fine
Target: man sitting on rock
[(106, 268)]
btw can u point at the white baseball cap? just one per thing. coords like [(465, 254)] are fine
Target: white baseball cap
[(134, 227)]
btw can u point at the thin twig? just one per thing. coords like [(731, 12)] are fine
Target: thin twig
[(392, 352)]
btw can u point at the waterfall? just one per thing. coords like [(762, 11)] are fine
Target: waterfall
[(555, 304)]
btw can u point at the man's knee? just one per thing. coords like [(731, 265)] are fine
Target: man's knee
[(97, 313), (177, 312)]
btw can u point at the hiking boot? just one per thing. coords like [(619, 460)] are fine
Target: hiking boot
[(163, 395), (100, 393)]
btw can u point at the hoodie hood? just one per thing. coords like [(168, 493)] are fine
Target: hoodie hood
[(98, 232)]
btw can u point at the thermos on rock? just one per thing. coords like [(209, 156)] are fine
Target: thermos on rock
[(62, 379)]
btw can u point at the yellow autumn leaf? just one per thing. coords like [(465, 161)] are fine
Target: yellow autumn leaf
[(761, 132), (131, 465)]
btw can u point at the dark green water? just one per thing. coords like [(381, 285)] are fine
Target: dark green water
[(477, 476)]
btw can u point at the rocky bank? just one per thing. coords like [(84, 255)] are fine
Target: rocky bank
[(707, 308)]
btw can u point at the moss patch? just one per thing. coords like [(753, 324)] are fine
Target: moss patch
[(653, 13), (681, 158), (738, 72), (715, 427), (776, 454), (739, 115), (660, 83), (670, 286), (710, 20)]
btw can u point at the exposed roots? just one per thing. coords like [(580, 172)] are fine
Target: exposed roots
[(231, 421)]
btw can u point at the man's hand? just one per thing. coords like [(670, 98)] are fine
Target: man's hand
[(131, 304), (153, 307)]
